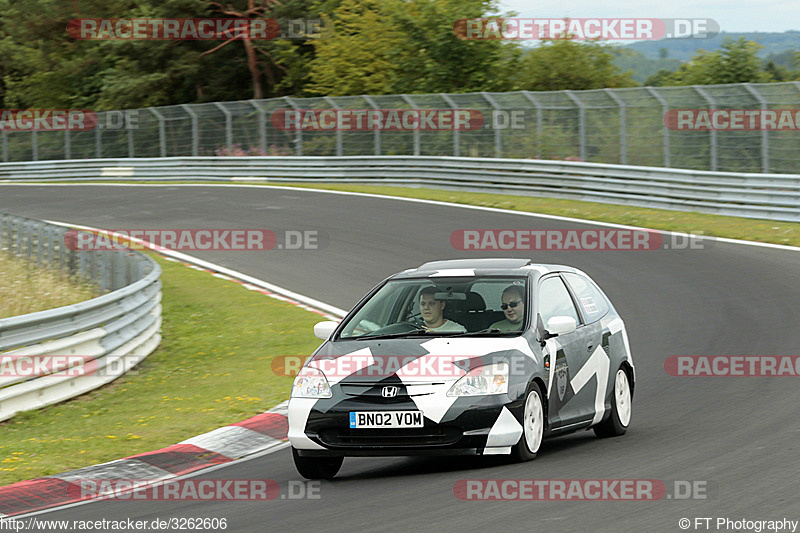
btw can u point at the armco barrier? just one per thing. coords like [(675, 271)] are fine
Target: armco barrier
[(112, 332), (766, 196)]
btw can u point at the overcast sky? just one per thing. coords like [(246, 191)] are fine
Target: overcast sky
[(731, 15)]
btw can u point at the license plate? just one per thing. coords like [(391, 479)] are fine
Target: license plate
[(386, 419)]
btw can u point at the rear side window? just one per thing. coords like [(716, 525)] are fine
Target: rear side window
[(554, 300), (590, 299)]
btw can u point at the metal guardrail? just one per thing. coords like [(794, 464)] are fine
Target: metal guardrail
[(753, 195), (83, 346)]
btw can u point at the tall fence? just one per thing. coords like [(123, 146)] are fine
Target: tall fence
[(50, 356), (617, 126)]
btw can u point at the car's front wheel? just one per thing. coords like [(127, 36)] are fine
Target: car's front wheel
[(317, 467), (532, 425), (617, 423)]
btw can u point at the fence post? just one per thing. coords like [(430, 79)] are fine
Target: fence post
[(4, 136), (376, 133), (68, 145), (498, 140), (162, 131), (338, 130), (664, 111), (456, 142), (228, 123), (538, 107), (35, 145), (195, 130), (130, 142), (712, 133), (623, 152), (262, 126), (298, 139), (581, 123), (764, 133), (410, 102), (98, 142)]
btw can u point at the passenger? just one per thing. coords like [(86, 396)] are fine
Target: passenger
[(432, 311), (513, 306)]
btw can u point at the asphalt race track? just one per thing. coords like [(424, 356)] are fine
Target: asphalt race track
[(740, 435)]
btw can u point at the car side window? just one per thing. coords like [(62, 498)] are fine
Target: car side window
[(554, 300), (590, 299)]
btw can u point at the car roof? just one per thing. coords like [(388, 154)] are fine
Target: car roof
[(487, 266)]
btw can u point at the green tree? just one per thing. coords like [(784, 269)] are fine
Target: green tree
[(360, 56), (777, 72), (436, 60), (734, 62), (658, 79), (409, 46), (42, 66), (560, 64)]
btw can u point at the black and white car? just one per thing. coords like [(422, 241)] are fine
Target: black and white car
[(392, 379)]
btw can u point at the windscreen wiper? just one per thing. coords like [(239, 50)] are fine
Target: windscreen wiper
[(413, 333), (482, 332)]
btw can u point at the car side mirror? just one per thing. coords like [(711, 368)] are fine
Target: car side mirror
[(560, 325), (323, 330)]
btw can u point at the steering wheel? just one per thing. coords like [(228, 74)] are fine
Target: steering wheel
[(416, 320)]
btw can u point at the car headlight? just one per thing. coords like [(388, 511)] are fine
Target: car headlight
[(311, 383), (489, 379)]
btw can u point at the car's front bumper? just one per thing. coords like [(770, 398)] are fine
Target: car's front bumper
[(483, 425)]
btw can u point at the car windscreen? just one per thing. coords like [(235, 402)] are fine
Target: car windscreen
[(442, 306)]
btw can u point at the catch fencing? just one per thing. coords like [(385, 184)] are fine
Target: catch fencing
[(612, 126)]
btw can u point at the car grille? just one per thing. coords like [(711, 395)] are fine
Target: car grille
[(390, 438)]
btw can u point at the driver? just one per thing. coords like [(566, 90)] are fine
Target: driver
[(513, 300), (432, 311)]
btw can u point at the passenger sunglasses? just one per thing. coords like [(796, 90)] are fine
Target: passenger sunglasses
[(510, 304)]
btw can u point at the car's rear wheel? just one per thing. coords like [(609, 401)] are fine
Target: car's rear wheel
[(621, 406), (532, 426), (317, 467)]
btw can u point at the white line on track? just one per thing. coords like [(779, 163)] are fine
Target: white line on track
[(424, 201)]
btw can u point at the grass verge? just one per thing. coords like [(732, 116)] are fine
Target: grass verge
[(211, 369), (26, 288)]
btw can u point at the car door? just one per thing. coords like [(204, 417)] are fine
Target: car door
[(567, 353), (592, 306)]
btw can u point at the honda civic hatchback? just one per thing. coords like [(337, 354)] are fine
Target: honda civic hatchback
[(477, 356)]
